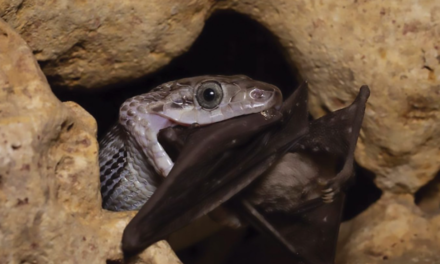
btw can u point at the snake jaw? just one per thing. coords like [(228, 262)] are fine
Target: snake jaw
[(176, 103), (241, 96)]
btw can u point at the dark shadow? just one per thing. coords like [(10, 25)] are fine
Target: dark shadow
[(361, 194), (428, 196), (229, 44)]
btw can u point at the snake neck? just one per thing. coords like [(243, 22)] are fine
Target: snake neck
[(132, 161), (124, 173), (142, 127)]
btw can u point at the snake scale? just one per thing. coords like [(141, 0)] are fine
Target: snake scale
[(133, 162)]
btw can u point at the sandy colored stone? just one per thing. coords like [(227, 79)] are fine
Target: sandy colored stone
[(337, 45), (50, 205), (393, 231), (96, 43), (393, 46)]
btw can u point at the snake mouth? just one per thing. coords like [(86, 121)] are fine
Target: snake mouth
[(173, 137), (145, 115)]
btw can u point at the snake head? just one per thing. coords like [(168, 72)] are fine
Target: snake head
[(210, 99), (202, 100)]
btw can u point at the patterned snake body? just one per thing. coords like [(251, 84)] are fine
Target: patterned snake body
[(132, 160)]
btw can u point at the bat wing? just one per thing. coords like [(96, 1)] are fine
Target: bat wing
[(309, 230), (215, 163), (336, 135)]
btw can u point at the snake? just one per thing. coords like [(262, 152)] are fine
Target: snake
[(132, 161)]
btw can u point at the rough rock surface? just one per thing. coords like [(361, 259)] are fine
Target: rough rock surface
[(50, 206), (95, 43), (391, 231), (394, 47), (336, 45)]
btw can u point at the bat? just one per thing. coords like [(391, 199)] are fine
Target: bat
[(305, 215), (235, 163)]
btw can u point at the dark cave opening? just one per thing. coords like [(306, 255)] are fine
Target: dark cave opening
[(229, 44), (361, 194), (428, 196)]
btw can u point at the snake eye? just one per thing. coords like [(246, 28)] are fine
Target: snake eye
[(209, 95)]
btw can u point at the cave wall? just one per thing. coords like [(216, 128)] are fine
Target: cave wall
[(394, 47)]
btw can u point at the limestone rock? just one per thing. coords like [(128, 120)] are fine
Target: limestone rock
[(336, 45), (391, 231), (50, 205), (394, 47), (96, 43)]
